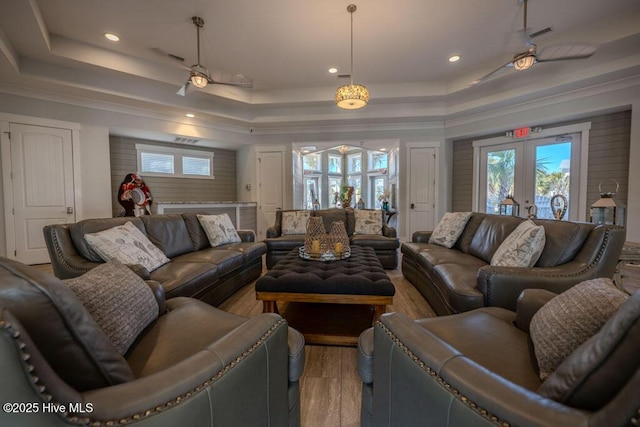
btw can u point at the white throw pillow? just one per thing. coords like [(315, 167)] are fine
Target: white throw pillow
[(368, 222), (449, 229), (118, 300), (127, 244), (522, 247), (219, 229), (294, 222)]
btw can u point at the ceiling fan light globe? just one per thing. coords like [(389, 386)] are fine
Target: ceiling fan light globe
[(524, 62), (352, 96), (199, 80)]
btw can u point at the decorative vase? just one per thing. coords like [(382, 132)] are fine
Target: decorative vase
[(559, 206), (316, 241), (338, 238)]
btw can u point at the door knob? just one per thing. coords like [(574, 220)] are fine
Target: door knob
[(413, 205), (69, 209)]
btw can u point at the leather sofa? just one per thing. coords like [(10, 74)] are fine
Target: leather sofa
[(461, 278), (196, 269), (478, 368), (385, 245), (195, 365)]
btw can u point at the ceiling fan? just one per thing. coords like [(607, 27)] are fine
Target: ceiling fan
[(199, 76), (526, 59)]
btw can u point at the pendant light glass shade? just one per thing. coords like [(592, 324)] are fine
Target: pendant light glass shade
[(524, 62), (199, 80), (352, 96)]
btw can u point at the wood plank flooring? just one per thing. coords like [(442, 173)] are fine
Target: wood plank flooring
[(330, 389)]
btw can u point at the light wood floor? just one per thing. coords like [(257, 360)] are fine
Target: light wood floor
[(330, 387)]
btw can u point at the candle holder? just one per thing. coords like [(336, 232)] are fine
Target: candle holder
[(338, 238), (315, 240)]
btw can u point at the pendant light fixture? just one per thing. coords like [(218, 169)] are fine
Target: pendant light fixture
[(352, 96)]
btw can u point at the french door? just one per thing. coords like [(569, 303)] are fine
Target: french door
[(536, 172)]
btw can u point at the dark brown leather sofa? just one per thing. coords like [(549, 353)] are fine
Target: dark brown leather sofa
[(385, 245), (460, 279), (478, 368), (196, 269), (194, 365)]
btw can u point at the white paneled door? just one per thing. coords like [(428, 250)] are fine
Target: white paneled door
[(42, 182), (270, 188), (422, 189)]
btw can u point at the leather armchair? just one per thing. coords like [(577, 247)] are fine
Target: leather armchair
[(194, 365), (478, 369)]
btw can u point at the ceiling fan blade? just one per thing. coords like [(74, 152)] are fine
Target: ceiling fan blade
[(486, 76), (183, 89), (540, 32), (565, 52), (163, 52), (228, 79)]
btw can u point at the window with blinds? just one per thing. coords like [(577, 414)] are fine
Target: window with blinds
[(174, 162)]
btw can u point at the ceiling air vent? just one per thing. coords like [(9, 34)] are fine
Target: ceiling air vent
[(185, 140)]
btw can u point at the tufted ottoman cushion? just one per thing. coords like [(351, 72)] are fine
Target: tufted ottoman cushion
[(360, 274), (359, 280)]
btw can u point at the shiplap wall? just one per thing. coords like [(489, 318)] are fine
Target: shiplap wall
[(609, 141), (222, 188)]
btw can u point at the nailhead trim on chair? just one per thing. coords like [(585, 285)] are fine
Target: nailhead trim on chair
[(41, 389), (61, 258), (440, 380)]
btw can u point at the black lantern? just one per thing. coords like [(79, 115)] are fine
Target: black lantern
[(607, 210), (509, 206)]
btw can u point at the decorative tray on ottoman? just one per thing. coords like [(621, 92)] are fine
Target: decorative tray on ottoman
[(325, 256)]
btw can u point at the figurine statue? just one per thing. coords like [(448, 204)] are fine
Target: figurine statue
[(559, 206)]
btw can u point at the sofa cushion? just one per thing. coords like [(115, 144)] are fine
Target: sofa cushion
[(449, 228), (569, 319), (169, 233), (375, 241), (329, 216), (219, 229), (63, 330), (368, 222), (464, 241), (127, 244), (196, 232), (594, 373), (522, 247), (118, 300), (294, 222), (564, 240), (490, 234), (225, 260), (190, 279)]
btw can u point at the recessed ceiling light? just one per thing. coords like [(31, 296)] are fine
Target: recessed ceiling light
[(190, 115), (112, 37), (454, 58), (333, 70), (383, 149)]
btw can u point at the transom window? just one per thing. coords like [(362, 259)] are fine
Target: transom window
[(155, 160)]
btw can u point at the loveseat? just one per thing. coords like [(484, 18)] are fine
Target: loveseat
[(195, 269), (192, 365), (479, 368), (385, 243), (461, 278)]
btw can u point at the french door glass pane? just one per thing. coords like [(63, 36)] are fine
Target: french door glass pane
[(553, 177), (334, 190), (311, 192), (500, 178)]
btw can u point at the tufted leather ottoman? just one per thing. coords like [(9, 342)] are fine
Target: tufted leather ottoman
[(358, 284)]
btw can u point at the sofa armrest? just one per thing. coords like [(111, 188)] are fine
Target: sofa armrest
[(158, 292), (389, 231), (273, 232), (247, 235), (66, 262), (411, 363), (529, 302), (421, 236), (501, 286)]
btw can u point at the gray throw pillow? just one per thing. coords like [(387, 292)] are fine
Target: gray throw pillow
[(571, 318), (120, 302), (594, 373), (449, 228)]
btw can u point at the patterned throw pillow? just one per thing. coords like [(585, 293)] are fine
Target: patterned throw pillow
[(368, 221), (449, 229), (294, 222), (219, 229), (571, 318), (522, 247), (127, 244), (118, 300)]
